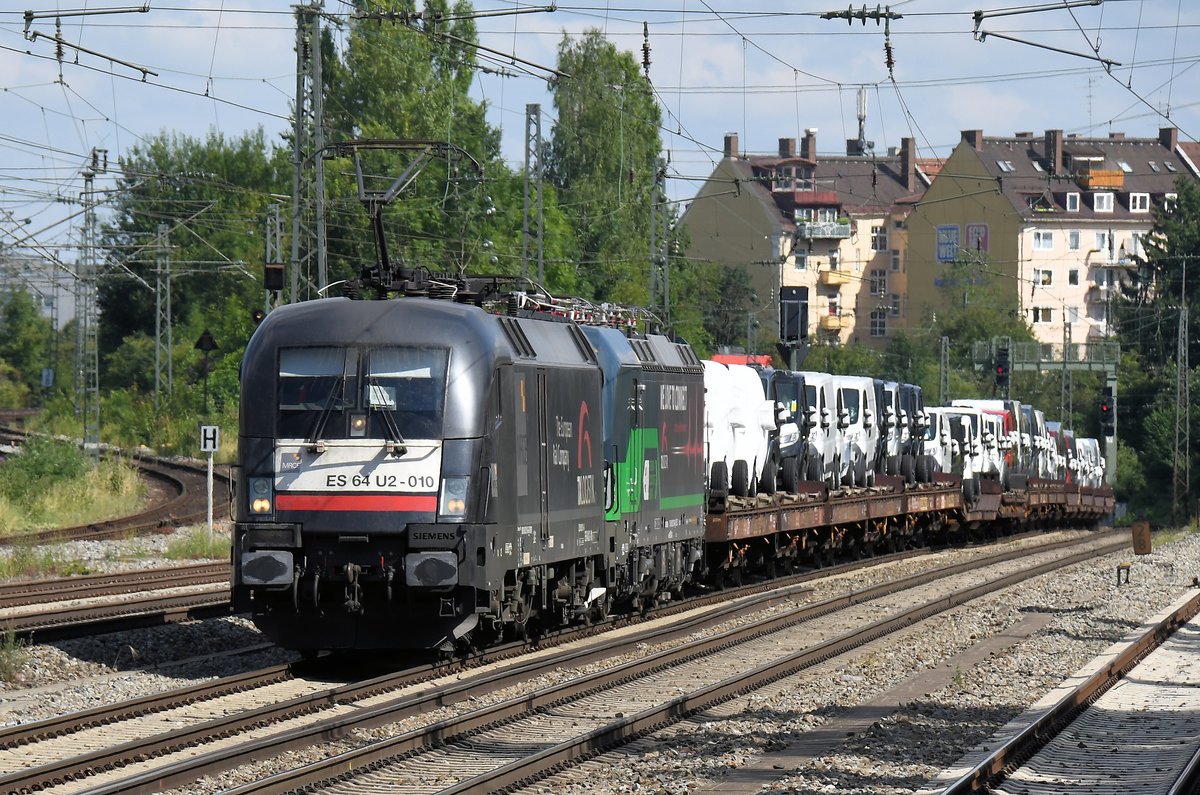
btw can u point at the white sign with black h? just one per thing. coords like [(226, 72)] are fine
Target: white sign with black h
[(210, 438)]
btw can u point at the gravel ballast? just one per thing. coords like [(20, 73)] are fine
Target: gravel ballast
[(897, 753)]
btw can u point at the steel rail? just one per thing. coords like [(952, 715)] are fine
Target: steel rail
[(178, 773)]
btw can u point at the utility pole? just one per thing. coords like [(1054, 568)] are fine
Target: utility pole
[(660, 280), (272, 258), (308, 139), (944, 373), (162, 317), (87, 354), (1181, 479), (531, 231)]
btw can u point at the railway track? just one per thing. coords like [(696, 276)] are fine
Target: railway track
[(184, 484), (1128, 723), (54, 609), (263, 720)]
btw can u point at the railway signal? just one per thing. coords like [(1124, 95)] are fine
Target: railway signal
[(1002, 368), (1107, 416)]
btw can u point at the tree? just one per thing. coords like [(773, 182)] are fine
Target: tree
[(410, 80), (212, 197), (23, 336), (603, 160)]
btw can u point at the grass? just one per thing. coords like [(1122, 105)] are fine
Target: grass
[(197, 545), (26, 560), (13, 656), (51, 484)]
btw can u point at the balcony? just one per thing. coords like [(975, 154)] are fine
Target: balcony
[(831, 322), (822, 230), (834, 278), (1100, 293), (1102, 179)]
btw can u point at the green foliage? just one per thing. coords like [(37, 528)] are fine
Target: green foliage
[(211, 195), (198, 544), (1131, 480), (402, 82), (24, 334), (42, 465), (14, 655), (732, 303), (24, 561), (603, 159), (979, 303), (14, 392)]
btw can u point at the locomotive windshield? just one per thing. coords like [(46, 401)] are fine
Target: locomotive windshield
[(392, 393)]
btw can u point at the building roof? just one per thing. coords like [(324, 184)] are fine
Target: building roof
[(854, 184), (1037, 173)]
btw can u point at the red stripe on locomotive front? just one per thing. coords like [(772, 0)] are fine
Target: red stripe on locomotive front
[(356, 502)]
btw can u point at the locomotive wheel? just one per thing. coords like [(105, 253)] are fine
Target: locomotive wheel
[(769, 483), (907, 468), (735, 576), (791, 475), (892, 465), (741, 479)]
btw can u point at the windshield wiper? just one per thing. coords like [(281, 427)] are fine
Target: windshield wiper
[(396, 444), (314, 437)]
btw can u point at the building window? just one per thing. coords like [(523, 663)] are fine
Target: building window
[(894, 309), (826, 215), (878, 323), (1169, 200), (1043, 240), (1073, 239), (1042, 277), (1072, 202), (878, 281), (1139, 202), (1073, 276), (1102, 202), (896, 259), (835, 261), (1104, 244), (783, 178), (1043, 314), (1073, 314), (879, 238), (801, 260)]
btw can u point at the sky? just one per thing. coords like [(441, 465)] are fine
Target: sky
[(764, 69)]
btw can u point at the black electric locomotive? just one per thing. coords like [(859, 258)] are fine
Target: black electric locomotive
[(420, 473)]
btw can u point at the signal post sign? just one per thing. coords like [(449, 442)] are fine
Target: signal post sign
[(210, 439)]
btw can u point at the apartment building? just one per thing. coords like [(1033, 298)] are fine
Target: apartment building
[(830, 228), (1060, 217)]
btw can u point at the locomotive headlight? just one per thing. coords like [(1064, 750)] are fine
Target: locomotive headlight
[(453, 502), (260, 495), (358, 425)]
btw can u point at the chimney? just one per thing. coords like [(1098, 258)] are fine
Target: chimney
[(974, 138), (1169, 137), (1116, 136), (787, 147), (1054, 151), (808, 147), (908, 164), (731, 145)]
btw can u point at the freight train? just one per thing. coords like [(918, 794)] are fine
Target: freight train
[(442, 470)]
